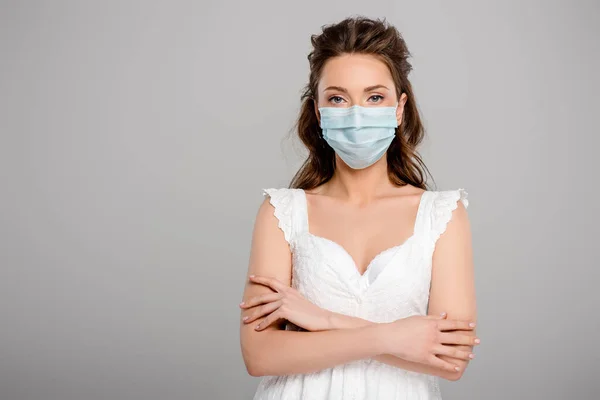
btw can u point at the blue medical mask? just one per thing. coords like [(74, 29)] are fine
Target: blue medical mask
[(359, 135)]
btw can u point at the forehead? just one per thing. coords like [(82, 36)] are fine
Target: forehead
[(355, 72)]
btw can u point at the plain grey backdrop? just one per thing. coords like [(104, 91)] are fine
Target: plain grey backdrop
[(136, 138)]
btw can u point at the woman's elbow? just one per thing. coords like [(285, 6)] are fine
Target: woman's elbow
[(256, 367), (252, 360), (253, 370)]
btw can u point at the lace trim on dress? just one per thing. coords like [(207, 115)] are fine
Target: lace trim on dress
[(281, 200), (444, 204)]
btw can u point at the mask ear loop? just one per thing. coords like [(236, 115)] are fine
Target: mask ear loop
[(318, 123), (398, 129)]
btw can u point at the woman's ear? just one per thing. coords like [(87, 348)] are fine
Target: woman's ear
[(400, 109)]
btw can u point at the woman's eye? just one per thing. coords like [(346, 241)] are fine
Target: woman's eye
[(377, 97), (334, 99)]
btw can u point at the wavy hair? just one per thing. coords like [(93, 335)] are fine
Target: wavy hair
[(364, 36)]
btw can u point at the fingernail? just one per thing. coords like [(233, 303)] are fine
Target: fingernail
[(472, 324), (257, 327), (477, 341), (242, 303), (457, 368), (443, 314), (251, 276), (471, 355), (245, 318)]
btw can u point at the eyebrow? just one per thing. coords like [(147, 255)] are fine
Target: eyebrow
[(367, 89)]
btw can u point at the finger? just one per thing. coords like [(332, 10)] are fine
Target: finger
[(274, 316), (265, 298), (443, 364), (457, 338), (453, 352), (262, 310), (270, 282), (440, 316), (454, 324)]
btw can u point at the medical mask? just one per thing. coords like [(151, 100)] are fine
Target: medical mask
[(359, 135)]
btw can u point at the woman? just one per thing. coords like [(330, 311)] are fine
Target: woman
[(346, 298)]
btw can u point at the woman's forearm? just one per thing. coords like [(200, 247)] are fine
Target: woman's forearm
[(341, 322), (282, 352)]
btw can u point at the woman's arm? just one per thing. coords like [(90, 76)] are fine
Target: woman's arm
[(412, 343), (341, 321), (287, 304), (452, 280), (278, 352)]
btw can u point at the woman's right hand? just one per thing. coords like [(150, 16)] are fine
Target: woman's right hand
[(420, 339)]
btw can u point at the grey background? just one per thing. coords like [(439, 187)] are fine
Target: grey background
[(136, 138)]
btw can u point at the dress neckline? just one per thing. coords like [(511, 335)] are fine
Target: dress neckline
[(413, 236)]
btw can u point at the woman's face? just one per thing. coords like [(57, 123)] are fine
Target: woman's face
[(357, 79)]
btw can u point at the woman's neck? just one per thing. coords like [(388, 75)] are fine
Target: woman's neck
[(359, 186)]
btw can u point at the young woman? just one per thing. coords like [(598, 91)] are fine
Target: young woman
[(360, 283)]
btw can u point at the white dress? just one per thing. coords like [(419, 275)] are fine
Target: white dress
[(395, 285)]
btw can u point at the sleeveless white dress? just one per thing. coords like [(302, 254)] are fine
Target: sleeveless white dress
[(395, 285)]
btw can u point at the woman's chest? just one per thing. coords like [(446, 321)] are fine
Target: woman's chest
[(394, 285)]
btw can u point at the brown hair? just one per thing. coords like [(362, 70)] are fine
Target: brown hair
[(365, 36)]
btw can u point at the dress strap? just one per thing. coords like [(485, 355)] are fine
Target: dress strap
[(290, 208), (302, 211), (422, 212), (443, 203)]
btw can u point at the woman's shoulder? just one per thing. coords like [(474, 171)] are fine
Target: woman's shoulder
[(277, 193), (285, 204), (275, 190), (282, 198), (449, 198), (446, 206)]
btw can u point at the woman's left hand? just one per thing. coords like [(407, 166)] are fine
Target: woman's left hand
[(284, 303)]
